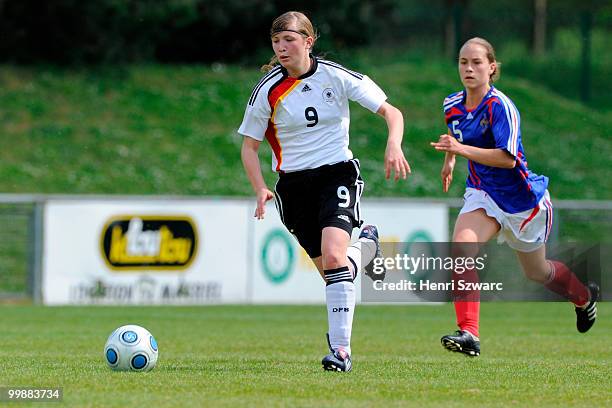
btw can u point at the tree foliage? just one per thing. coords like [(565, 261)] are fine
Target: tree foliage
[(117, 31)]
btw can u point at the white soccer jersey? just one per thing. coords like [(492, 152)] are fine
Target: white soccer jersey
[(306, 120)]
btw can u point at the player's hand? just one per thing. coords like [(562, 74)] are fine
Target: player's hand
[(263, 196), (447, 143), (447, 176), (396, 162)]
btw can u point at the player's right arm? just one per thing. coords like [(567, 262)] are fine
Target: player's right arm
[(449, 158), (253, 128), (250, 161), (447, 171)]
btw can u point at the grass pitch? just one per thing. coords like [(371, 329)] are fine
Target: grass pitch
[(270, 356)]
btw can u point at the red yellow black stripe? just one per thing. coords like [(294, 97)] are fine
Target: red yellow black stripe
[(275, 95)]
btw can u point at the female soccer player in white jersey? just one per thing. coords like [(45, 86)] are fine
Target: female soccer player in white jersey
[(301, 106), (503, 197)]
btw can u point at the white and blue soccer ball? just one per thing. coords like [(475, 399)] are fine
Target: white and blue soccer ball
[(131, 348)]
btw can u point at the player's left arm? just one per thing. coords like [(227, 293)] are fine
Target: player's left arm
[(489, 157), (394, 156), (364, 91)]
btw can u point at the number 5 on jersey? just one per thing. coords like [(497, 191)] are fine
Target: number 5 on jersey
[(456, 131)]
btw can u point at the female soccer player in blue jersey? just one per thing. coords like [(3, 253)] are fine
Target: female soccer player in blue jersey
[(301, 106), (503, 197)]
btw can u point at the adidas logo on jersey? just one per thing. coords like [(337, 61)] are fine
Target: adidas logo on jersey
[(306, 88), (469, 116)]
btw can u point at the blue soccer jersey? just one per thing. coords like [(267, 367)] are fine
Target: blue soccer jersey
[(495, 124)]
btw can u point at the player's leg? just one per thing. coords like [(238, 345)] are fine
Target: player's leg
[(365, 249), (300, 211), (534, 265), (471, 228), (318, 263), (340, 267), (339, 296), (558, 278), (334, 244), (327, 254), (475, 227), (336, 261), (297, 208), (327, 250), (340, 212), (342, 187), (530, 236), (361, 254)]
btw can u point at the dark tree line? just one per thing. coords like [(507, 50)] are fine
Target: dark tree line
[(117, 31)]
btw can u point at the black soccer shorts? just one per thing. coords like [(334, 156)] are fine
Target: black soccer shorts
[(310, 200)]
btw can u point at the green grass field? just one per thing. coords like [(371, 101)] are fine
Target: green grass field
[(269, 356)]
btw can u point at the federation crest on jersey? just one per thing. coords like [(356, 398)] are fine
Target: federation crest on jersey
[(329, 95), (484, 123)]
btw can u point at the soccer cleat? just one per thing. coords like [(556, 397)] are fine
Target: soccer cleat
[(371, 232), (585, 318), (336, 360), (462, 342)]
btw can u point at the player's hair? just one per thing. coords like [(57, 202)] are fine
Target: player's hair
[(303, 26), (490, 56)]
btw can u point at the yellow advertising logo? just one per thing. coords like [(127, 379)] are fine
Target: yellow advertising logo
[(149, 242)]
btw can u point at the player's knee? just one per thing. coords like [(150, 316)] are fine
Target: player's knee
[(536, 273), (334, 259), (465, 249), (465, 236)]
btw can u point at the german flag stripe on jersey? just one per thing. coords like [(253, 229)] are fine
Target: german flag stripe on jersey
[(275, 95)]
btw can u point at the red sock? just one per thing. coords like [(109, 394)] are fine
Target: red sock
[(468, 314), (467, 303), (563, 282)]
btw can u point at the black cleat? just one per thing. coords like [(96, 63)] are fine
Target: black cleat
[(337, 360), (585, 318), (371, 232), (462, 342)]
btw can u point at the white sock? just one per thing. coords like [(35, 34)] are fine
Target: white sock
[(340, 297), (364, 250)]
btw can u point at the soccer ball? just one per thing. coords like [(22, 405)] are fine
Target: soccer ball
[(131, 348)]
